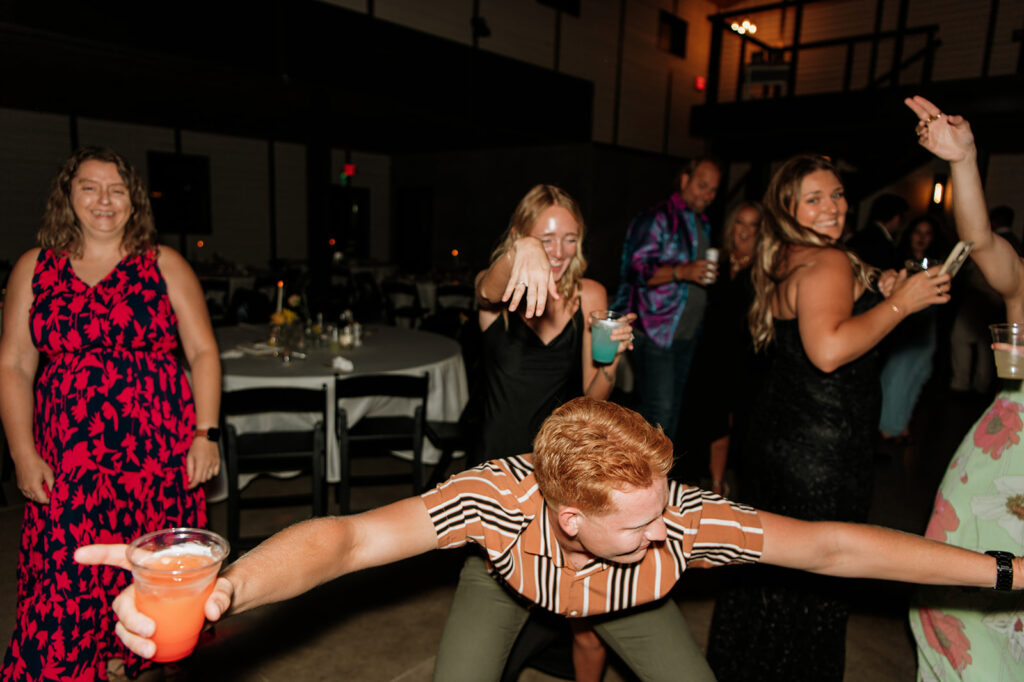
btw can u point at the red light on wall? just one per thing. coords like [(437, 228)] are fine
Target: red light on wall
[(200, 243), (455, 253), (331, 241), (700, 83), (350, 169)]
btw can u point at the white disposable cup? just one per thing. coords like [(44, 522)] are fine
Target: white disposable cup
[(711, 255)]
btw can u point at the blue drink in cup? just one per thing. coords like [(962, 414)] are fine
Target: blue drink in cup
[(602, 324)]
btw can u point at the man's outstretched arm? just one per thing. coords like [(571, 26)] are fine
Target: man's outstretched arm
[(852, 550), (289, 563)]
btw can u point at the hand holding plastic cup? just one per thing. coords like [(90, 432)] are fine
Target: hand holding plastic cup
[(602, 323), (1008, 348), (175, 571), (712, 273)]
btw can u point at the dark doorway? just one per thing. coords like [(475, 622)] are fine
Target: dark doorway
[(412, 235), (349, 223)]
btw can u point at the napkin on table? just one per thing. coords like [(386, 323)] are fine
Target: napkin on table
[(341, 364)]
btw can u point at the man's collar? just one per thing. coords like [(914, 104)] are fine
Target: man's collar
[(539, 539), (680, 205)]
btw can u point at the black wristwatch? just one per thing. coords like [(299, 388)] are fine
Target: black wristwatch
[(212, 433), (1004, 569)]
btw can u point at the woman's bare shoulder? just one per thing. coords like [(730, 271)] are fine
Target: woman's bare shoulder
[(816, 261), (590, 288), (25, 266), (593, 295)]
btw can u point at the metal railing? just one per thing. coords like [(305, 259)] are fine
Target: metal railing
[(778, 65)]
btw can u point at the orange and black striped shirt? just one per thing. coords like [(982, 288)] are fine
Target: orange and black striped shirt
[(498, 506)]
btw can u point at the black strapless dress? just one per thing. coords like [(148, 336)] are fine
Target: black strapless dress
[(810, 457)]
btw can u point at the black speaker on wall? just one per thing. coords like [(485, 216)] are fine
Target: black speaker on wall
[(179, 191)]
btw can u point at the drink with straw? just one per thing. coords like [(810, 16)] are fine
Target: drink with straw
[(175, 571)]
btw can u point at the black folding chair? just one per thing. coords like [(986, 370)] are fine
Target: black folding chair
[(216, 292), (402, 302), (458, 297), (263, 453), (376, 436)]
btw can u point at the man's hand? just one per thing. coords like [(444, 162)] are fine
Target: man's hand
[(700, 271), (133, 627)]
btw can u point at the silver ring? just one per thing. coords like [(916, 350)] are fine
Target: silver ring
[(522, 284)]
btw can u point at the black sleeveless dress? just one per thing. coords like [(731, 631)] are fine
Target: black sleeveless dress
[(810, 457), (524, 380)]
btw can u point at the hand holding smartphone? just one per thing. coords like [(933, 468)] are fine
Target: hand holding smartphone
[(956, 258)]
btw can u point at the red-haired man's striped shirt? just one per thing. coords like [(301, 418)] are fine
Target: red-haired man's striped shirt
[(498, 506)]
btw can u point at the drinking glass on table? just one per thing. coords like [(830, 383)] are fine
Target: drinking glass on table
[(175, 571), (1008, 348), (602, 323)]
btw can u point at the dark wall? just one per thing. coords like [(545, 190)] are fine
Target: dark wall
[(473, 193), (288, 71)]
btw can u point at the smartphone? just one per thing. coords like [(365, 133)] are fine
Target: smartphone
[(956, 258)]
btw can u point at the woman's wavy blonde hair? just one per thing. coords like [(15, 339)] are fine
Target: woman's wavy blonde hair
[(539, 199), (780, 230), (60, 231)]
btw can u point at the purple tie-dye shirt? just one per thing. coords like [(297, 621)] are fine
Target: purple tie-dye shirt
[(665, 234)]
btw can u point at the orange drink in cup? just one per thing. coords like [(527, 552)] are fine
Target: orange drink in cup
[(175, 571)]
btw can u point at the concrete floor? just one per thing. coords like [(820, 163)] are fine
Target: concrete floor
[(353, 630)]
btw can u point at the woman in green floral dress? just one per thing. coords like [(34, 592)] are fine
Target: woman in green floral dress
[(976, 635)]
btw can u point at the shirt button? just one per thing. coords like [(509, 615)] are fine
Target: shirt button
[(574, 613)]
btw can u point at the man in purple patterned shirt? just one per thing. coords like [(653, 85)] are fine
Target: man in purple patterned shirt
[(662, 279)]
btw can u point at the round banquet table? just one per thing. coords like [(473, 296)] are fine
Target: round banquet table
[(385, 350)]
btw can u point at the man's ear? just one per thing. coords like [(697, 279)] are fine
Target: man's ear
[(569, 520), (684, 180)]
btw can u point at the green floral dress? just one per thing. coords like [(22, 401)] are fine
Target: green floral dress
[(977, 635)]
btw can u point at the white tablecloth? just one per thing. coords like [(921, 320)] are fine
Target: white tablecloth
[(387, 350)]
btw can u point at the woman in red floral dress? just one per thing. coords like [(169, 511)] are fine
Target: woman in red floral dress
[(103, 446)]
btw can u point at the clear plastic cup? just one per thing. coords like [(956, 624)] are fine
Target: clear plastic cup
[(1008, 348), (175, 571), (602, 324)]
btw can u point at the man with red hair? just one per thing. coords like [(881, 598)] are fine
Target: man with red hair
[(588, 527)]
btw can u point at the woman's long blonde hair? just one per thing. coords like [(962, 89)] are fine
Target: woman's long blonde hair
[(539, 199), (780, 230)]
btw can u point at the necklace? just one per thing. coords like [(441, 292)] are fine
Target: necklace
[(740, 262)]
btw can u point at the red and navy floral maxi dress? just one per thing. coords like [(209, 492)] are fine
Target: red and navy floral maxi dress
[(114, 420)]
